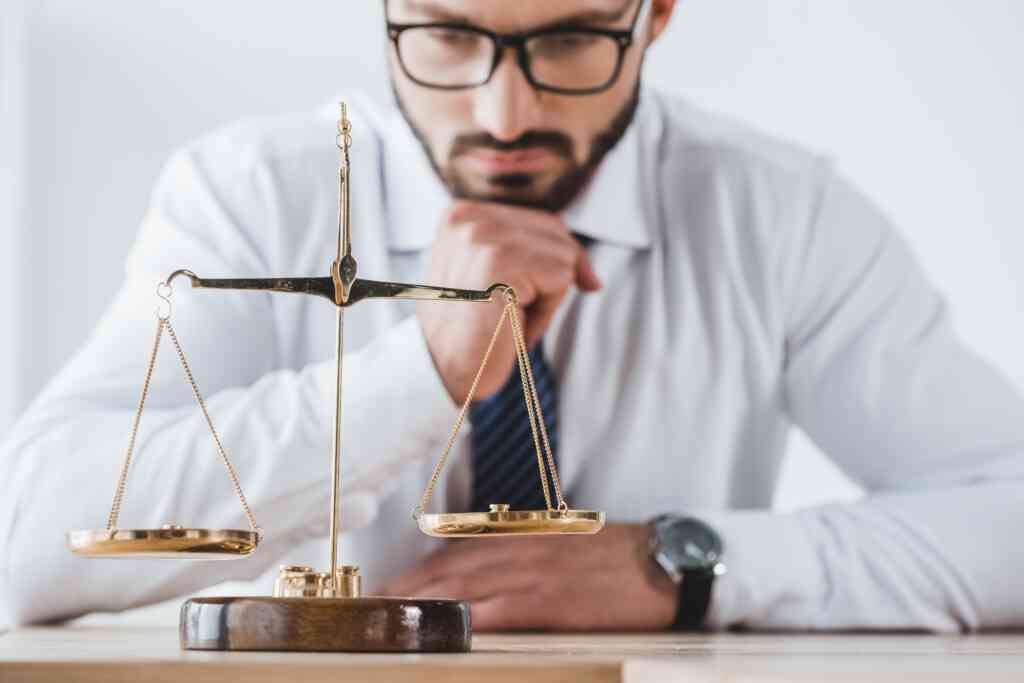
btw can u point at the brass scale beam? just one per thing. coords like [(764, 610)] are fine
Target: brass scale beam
[(343, 289)]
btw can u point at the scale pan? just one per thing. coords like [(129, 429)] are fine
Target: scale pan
[(169, 542), (499, 522)]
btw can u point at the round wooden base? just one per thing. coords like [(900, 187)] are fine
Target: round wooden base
[(365, 624)]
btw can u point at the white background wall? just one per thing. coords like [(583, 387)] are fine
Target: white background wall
[(920, 101)]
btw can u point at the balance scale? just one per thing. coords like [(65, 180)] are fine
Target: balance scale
[(326, 611)]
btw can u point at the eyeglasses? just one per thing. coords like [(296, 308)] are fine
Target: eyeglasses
[(570, 60)]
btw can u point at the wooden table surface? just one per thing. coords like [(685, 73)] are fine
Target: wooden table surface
[(151, 655)]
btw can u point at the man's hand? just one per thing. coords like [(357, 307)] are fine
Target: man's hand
[(480, 243), (570, 583)]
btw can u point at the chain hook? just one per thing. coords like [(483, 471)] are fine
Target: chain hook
[(164, 291), (344, 137), (510, 296)]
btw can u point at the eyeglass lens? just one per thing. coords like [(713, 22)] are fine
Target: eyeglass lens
[(453, 57)]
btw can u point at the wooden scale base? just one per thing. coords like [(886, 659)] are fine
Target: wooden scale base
[(310, 613), (365, 624)]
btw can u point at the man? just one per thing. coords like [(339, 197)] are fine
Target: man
[(691, 290)]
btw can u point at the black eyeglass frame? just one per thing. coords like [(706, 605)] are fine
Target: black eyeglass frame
[(623, 39)]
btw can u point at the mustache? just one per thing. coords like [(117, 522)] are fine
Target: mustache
[(553, 140)]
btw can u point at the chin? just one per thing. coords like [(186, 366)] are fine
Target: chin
[(524, 189), (507, 196)]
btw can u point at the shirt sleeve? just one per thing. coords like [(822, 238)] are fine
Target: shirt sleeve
[(877, 378), (61, 461)]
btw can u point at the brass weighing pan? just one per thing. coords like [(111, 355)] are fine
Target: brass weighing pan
[(167, 542), (501, 521)]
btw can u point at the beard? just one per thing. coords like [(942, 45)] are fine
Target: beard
[(562, 191)]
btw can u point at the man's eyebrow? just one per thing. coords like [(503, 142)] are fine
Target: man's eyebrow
[(588, 16), (434, 12), (597, 16)]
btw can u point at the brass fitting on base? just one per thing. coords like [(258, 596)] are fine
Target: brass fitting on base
[(295, 581), (347, 582)]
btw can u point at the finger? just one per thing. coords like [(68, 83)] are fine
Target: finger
[(530, 268), (558, 247), (515, 611), (586, 278), (490, 263), (458, 559), (519, 224), (549, 276), (558, 606), (535, 274), (556, 255), (474, 555), (477, 585), (406, 584), (529, 218), (540, 315), (565, 251)]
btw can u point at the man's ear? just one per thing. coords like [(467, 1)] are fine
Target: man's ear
[(660, 13)]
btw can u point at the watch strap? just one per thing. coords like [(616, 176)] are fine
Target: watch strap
[(694, 598)]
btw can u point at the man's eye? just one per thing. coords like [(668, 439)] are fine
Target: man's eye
[(570, 40), (453, 37), (562, 43)]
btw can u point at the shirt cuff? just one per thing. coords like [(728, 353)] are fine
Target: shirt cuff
[(773, 578)]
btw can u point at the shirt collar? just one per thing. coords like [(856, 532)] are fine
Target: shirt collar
[(609, 209)]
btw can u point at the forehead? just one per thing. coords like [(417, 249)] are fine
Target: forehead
[(512, 15)]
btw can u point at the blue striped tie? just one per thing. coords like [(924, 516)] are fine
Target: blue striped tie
[(504, 458)]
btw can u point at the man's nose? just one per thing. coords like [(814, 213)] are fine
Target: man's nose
[(507, 105)]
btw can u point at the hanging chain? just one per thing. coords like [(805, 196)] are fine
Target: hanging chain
[(115, 509), (511, 312), (524, 364), (209, 422), (526, 372), (425, 500), (164, 322)]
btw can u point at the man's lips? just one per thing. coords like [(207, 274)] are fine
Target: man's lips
[(491, 162)]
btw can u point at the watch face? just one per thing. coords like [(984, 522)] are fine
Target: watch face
[(689, 543)]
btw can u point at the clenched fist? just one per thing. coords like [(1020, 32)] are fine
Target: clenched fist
[(478, 244)]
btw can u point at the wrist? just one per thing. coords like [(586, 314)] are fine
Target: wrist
[(665, 590)]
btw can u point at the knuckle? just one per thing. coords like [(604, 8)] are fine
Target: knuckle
[(556, 279), (524, 290)]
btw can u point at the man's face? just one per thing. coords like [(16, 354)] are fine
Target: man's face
[(505, 140)]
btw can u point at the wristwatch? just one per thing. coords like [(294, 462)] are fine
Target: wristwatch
[(690, 552)]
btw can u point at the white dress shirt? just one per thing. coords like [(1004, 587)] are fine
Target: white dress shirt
[(748, 290)]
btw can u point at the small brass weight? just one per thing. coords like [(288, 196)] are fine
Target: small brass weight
[(326, 611)]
